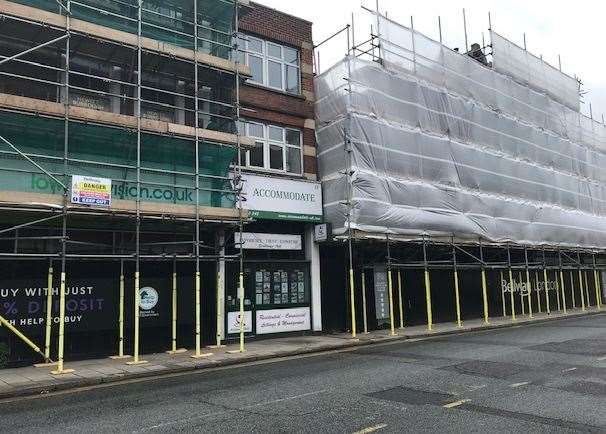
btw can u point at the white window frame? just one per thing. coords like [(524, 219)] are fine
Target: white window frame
[(266, 147), (266, 58)]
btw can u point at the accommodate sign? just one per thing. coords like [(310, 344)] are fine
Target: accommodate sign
[(233, 322), (88, 190), (254, 240), (283, 320), (282, 199)]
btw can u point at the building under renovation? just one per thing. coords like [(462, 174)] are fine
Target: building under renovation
[(118, 125), (458, 185), (137, 139)]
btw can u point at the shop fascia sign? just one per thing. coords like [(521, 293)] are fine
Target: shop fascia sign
[(260, 241), (282, 199)]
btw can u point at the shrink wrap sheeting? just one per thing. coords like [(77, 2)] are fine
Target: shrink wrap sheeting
[(430, 155)]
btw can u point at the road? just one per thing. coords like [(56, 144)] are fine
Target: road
[(548, 377)]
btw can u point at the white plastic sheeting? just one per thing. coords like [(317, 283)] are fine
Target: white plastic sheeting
[(431, 156), (527, 69), (405, 50)]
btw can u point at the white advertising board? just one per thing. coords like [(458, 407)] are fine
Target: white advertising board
[(283, 320), (233, 322), (282, 199), (254, 240)]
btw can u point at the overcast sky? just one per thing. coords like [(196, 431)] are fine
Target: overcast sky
[(576, 30)]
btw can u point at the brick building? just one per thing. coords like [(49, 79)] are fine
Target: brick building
[(280, 180)]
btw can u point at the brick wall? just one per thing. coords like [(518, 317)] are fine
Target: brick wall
[(278, 107)]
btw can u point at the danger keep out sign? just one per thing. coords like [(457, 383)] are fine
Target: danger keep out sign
[(88, 190)]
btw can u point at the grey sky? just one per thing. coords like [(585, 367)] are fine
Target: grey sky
[(552, 27)]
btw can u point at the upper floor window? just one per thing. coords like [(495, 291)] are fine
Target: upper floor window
[(271, 65), (277, 149)]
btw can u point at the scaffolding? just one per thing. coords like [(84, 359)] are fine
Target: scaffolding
[(457, 164), (144, 93)]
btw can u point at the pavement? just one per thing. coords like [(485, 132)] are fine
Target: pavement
[(544, 376), (39, 380)]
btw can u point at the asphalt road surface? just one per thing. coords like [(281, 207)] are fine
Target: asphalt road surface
[(548, 377)]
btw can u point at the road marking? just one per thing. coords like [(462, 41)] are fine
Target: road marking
[(601, 358), (371, 429), (226, 411), (569, 369), (456, 403), (523, 383)]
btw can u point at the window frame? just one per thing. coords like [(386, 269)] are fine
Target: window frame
[(244, 40), (267, 143)]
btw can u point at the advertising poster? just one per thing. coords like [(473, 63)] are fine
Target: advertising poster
[(283, 320), (233, 322)]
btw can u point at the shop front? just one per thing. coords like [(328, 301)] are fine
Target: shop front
[(281, 259)]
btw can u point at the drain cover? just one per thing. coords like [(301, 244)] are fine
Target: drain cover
[(407, 395)]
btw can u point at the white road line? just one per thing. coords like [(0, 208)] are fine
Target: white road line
[(371, 429), (601, 358), (199, 417), (523, 383), (456, 403), (569, 369)]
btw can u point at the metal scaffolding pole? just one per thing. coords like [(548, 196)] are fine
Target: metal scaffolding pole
[(511, 286), (392, 331), (545, 285), (484, 289), (455, 275), (137, 302), (238, 184), (198, 295), (562, 289), (61, 344), (528, 285)]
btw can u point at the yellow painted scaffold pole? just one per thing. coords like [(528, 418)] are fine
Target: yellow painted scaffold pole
[(49, 319), (528, 285), (581, 283), (502, 294), (596, 284), (6, 323), (136, 317), (455, 276), (120, 354), (174, 313), (484, 289), (364, 315), (561, 283), (513, 307), (574, 300), (61, 346), (400, 306), (241, 293), (545, 286), (392, 331), (522, 302), (427, 290), (537, 291), (352, 302), (49, 312), (586, 288), (392, 327)]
